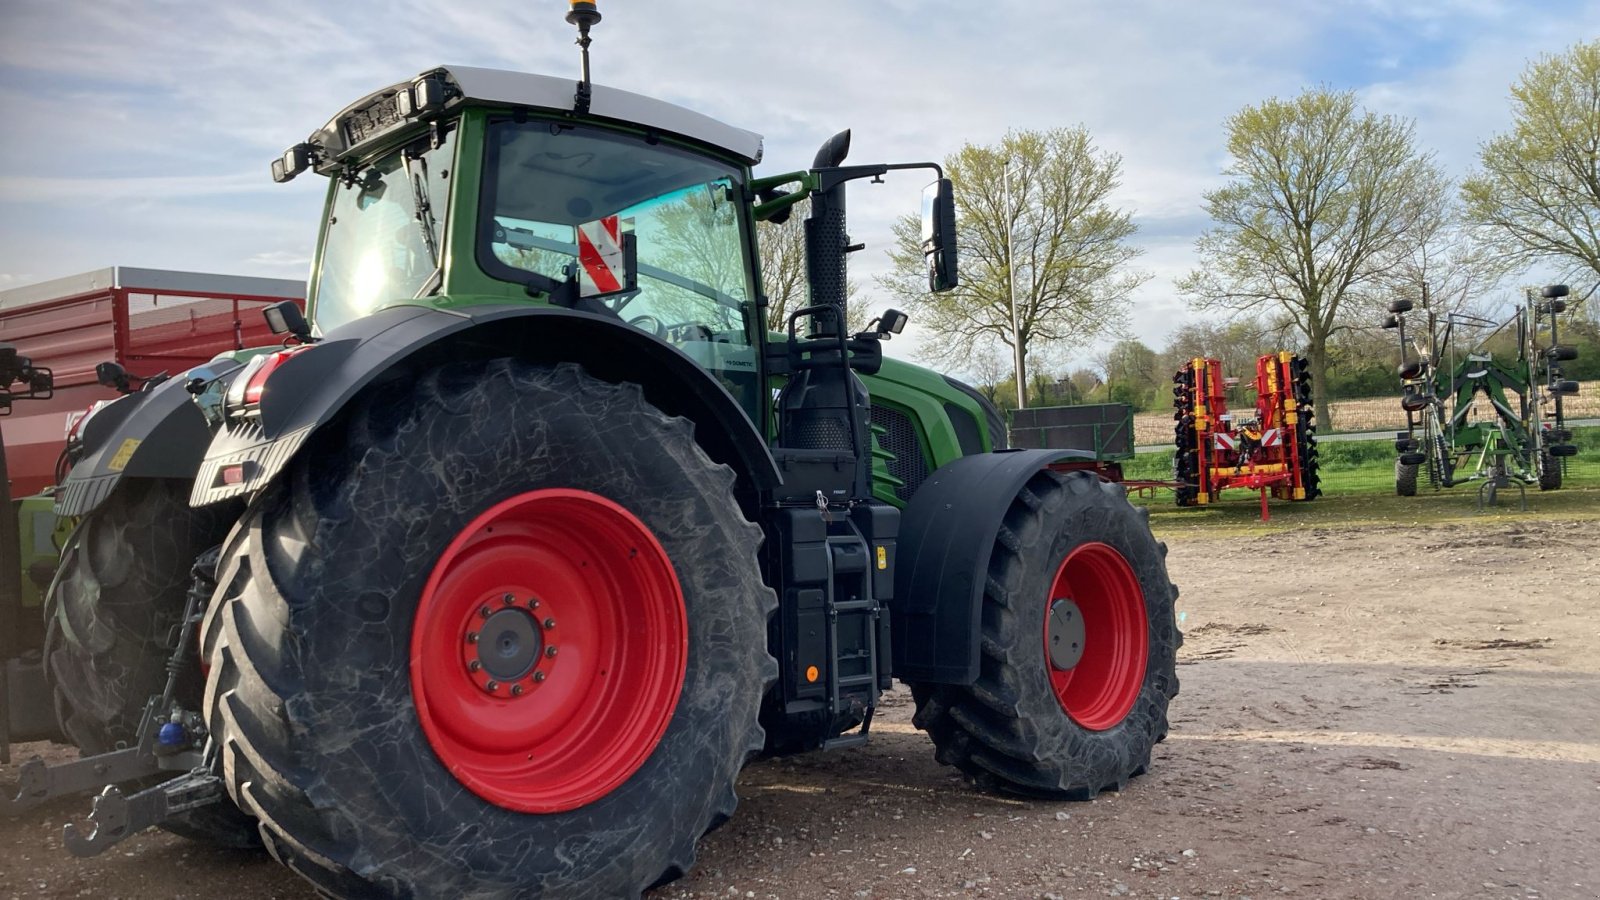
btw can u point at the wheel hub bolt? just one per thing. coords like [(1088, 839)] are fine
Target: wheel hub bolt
[(474, 665), (472, 637), (492, 686), (516, 690), (550, 650), (484, 610), (538, 676), (549, 623), (533, 602), (508, 599)]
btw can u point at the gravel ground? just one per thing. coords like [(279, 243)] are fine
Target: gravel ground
[(1365, 713)]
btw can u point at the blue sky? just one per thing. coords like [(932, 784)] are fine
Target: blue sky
[(139, 131)]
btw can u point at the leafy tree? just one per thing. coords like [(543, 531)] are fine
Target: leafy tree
[(1133, 372), (1236, 343), (1538, 195), (1067, 248), (1084, 383), (1320, 199)]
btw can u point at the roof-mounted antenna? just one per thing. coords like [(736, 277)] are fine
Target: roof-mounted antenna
[(585, 15)]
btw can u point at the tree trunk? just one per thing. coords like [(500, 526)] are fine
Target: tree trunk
[(1317, 357)]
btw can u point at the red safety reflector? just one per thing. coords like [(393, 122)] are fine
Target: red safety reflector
[(258, 378), (600, 254), (233, 474)]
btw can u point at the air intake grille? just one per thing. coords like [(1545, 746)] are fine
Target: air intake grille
[(900, 439)]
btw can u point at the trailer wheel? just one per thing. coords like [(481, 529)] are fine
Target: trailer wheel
[(1405, 478), (123, 580), (1074, 564), (512, 644)]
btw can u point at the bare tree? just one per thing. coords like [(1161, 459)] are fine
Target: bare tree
[(1058, 233), (782, 249), (1321, 198), (1442, 268)]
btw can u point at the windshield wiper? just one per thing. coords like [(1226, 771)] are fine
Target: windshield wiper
[(417, 173)]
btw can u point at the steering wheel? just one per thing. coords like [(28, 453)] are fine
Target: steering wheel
[(650, 324)]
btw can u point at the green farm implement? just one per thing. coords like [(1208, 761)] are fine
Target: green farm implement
[(1474, 417)]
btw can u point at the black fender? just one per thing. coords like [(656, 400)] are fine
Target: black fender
[(947, 534), (158, 433), (309, 389)]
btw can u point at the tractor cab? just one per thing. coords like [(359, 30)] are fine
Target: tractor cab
[(468, 186)]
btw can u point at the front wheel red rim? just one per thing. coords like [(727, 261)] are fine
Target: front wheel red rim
[(548, 650), (1100, 686)]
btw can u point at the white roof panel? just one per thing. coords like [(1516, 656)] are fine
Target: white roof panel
[(550, 92)]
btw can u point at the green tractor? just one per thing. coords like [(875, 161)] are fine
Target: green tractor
[(531, 534), (1524, 438)]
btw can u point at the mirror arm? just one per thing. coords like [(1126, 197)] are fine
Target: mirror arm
[(768, 182), (765, 211), (833, 177)]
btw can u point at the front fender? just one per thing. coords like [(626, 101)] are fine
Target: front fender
[(947, 534), (159, 433), (310, 389)]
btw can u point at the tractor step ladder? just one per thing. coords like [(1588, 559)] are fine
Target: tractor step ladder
[(848, 556)]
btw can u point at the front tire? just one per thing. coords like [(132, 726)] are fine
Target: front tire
[(1030, 725), (381, 762)]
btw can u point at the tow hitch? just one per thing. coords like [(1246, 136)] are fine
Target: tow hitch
[(171, 740)]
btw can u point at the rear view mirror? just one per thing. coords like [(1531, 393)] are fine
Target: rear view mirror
[(114, 376), (286, 318), (939, 235)]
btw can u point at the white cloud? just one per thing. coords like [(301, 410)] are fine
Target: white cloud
[(141, 129)]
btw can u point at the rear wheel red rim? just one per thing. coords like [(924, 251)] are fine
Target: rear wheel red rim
[(548, 650), (1100, 690)]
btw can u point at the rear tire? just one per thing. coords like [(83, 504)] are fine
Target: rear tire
[(1026, 726), (337, 715), (121, 589)]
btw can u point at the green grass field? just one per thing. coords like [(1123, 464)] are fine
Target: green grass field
[(1358, 489)]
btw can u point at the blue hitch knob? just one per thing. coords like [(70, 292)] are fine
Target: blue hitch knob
[(172, 736)]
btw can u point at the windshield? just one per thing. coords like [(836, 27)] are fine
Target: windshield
[(384, 234), (694, 281)]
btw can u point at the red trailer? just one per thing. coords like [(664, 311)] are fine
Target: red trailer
[(148, 320)]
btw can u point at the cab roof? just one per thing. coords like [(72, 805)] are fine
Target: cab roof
[(470, 85)]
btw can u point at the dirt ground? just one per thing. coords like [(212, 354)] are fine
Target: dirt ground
[(1365, 713)]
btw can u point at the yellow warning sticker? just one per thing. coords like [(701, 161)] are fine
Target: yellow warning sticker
[(883, 558), (124, 453)]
